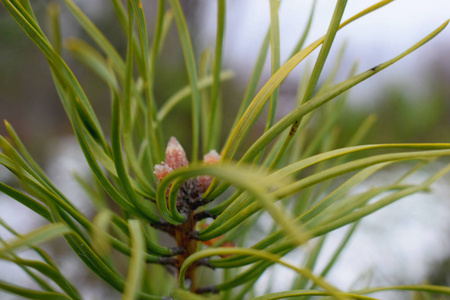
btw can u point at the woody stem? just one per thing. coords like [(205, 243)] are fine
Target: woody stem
[(184, 239)]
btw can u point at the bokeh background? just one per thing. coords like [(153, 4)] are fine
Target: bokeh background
[(406, 243)]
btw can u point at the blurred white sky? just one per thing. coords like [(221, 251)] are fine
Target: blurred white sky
[(371, 40)]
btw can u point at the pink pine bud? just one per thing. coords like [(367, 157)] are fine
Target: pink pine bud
[(211, 158), (203, 182), (175, 155), (162, 170)]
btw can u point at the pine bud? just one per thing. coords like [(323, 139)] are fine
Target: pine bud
[(162, 170), (211, 158), (175, 155)]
